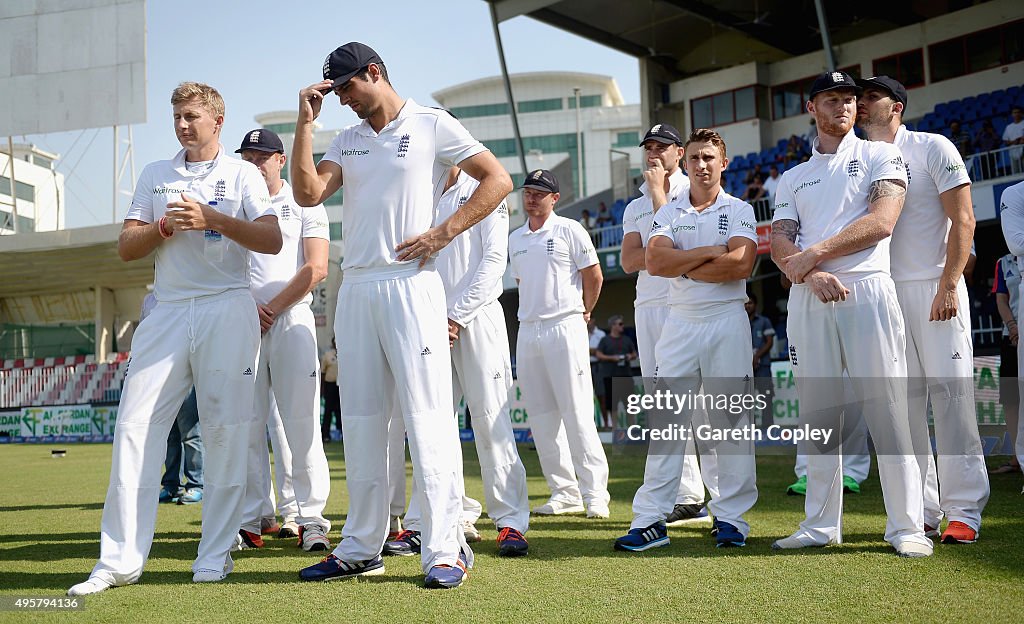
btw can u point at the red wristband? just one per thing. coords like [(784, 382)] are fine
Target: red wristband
[(160, 227)]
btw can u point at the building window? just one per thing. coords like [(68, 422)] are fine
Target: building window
[(788, 99), (586, 101), (627, 139), (537, 106), (42, 161), (907, 67), (549, 144), (724, 108), (281, 128), (482, 110), (977, 51), (25, 192)]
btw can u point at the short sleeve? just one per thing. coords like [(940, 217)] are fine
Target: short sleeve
[(945, 164), (142, 202), (333, 153), (661, 225), (255, 197), (581, 247), (785, 204), (743, 223), (886, 163), (314, 223), (452, 142)]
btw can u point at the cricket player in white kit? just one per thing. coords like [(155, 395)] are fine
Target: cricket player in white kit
[(705, 243), (833, 218), (1011, 216), (471, 267), (932, 292), (555, 263), (202, 212), (391, 323), (662, 149), (288, 368)]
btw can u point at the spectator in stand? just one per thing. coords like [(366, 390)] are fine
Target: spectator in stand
[(985, 141), (960, 138), (772, 182), (604, 218), (329, 391), (794, 150), (595, 334), (1013, 134), (615, 355), (755, 190), (586, 220)]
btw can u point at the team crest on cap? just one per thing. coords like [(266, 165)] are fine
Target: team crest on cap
[(837, 77), (254, 136), (536, 174), (327, 66), (655, 129)]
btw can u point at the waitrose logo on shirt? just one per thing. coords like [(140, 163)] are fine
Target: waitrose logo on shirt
[(355, 152)]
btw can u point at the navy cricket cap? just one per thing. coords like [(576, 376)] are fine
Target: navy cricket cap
[(890, 85), (832, 80), (345, 62), (663, 133), (261, 139), (541, 180)]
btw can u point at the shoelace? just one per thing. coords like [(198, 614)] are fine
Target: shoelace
[(506, 532), (402, 536)]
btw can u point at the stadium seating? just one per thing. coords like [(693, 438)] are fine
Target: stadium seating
[(69, 380)]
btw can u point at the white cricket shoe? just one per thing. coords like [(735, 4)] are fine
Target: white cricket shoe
[(557, 508), (313, 537), (471, 532), (598, 510), (212, 576), (914, 550), (91, 585), (797, 540)]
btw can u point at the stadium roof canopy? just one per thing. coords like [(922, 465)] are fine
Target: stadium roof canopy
[(688, 37), (64, 261)]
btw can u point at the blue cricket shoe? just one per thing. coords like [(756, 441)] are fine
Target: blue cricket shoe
[(639, 540), (446, 576), (332, 568), (727, 535)]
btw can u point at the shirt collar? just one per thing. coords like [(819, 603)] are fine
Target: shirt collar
[(544, 228), (179, 162), (366, 129), (684, 206), (848, 141), (901, 135)]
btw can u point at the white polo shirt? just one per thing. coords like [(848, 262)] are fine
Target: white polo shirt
[(1011, 220), (229, 185), (389, 183), (270, 274), (471, 266), (638, 217), (934, 166), (547, 264), (1013, 131), (689, 228), (830, 191)]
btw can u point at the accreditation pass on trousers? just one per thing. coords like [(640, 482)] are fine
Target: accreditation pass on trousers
[(939, 353), (204, 330), (863, 335), (288, 373)]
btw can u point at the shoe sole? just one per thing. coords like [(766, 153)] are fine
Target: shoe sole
[(730, 544), (398, 553), (662, 541), (317, 547), (473, 539), (440, 585), (341, 577), (561, 512), (286, 534), (691, 521), (513, 552), (953, 540)]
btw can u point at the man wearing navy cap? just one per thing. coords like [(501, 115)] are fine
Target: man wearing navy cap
[(391, 306), (662, 147), (287, 374), (834, 215), (930, 247), (555, 264)]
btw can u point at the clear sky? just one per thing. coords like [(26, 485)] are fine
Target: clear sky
[(259, 53)]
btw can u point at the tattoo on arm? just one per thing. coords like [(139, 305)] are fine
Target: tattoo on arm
[(786, 228), (882, 189)]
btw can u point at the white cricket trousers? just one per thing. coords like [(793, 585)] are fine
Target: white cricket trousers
[(210, 342), (553, 365), (714, 351), (482, 372), (856, 452), (940, 369), (1019, 446), (392, 334), (288, 376), (864, 336), (650, 320)]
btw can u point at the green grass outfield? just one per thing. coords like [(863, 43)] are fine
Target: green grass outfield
[(50, 514)]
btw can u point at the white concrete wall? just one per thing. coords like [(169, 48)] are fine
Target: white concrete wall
[(48, 209)]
